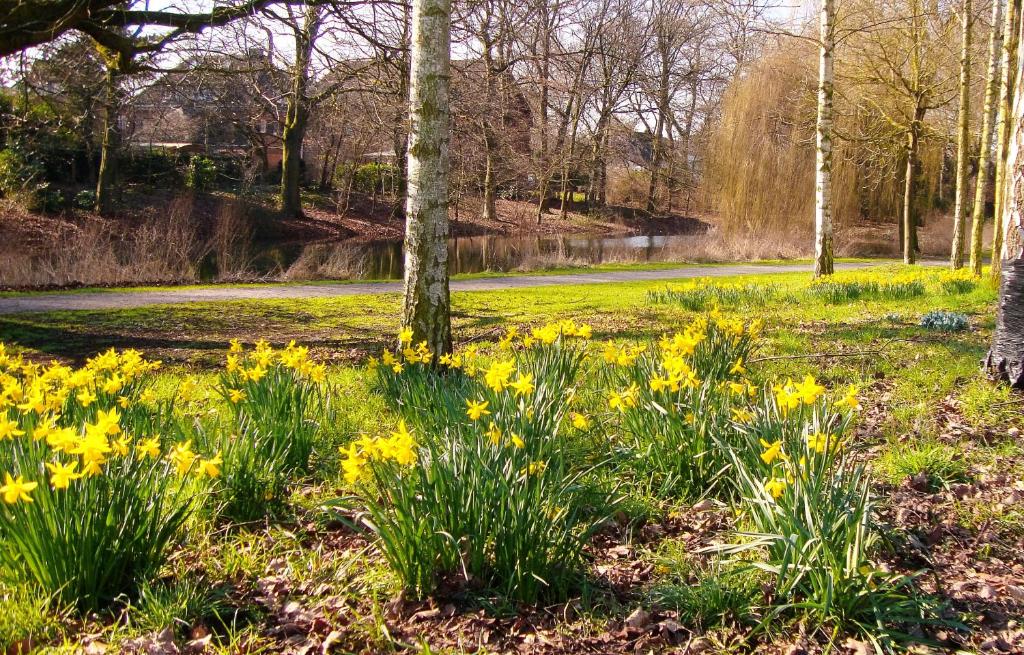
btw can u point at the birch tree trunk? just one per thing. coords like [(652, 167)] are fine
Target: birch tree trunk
[(426, 304), (1005, 360), (1003, 124), (956, 258), (823, 264), (995, 46)]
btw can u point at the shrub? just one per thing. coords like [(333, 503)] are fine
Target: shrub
[(92, 497), (700, 295), (945, 321), (812, 518), (271, 395), (676, 400), (957, 282), (85, 199), (482, 487), (201, 173)]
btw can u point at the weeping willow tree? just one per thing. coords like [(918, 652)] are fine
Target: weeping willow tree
[(761, 172)]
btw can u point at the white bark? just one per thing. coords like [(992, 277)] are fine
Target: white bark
[(426, 306), (995, 46), (963, 139), (823, 176)]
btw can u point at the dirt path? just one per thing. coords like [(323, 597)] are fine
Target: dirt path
[(101, 300)]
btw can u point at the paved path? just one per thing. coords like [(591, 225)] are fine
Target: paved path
[(101, 300)]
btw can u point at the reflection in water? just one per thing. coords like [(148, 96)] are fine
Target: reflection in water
[(384, 259)]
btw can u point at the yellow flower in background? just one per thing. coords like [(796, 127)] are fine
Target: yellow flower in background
[(850, 400), (819, 442), (235, 346), (476, 408), (210, 467), (405, 336), (625, 399), (579, 421), (402, 446), (372, 363), (16, 489), (772, 451), (255, 373), (776, 487), (124, 402), (9, 429), (236, 395), (186, 390), (122, 446), (741, 415), (387, 358), (737, 368), (147, 397), (107, 422), (397, 368), (62, 475), (787, 397), (533, 468), (182, 457), (809, 390), (516, 440), (149, 447), (113, 384), (85, 397), (352, 463), (232, 363), (497, 376), (523, 385), (493, 433)]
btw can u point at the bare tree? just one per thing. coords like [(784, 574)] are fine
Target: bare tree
[(962, 137), (992, 79)]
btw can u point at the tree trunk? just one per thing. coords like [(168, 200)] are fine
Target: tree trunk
[(995, 45), (490, 212), (1005, 359), (956, 258), (106, 177), (823, 264), (1003, 123), (291, 160), (910, 190), (297, 114), (426, 303)]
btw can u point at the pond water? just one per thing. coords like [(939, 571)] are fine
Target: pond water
[(383, 260)]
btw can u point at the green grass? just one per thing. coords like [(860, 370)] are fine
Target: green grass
[(911, 379), (941, 464)]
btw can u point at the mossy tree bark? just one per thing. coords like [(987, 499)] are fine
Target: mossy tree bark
[(106, 177), (1005, 359), (956, 258), (823, 264), (426, 304), (293, 131), (995, 45)]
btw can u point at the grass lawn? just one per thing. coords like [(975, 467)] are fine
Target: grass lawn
[(941, 443)]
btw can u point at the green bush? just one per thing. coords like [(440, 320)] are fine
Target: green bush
[(89, 512), (676, 401), (200, 173), (481, 487), (273, 397)]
